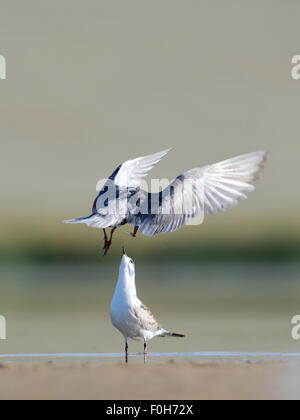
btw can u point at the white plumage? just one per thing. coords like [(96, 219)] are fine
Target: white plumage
[(128, 314)]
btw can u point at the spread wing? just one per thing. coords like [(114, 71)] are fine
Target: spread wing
[(211, 189), (131, 172)]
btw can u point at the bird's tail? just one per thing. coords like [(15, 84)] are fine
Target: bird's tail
[(79, 220), (171, 334), (95, 221)]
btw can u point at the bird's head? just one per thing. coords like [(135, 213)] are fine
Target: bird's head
[(127, 264)]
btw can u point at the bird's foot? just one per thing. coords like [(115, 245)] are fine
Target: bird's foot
[(130, 234), (107, 243), (133, 235)]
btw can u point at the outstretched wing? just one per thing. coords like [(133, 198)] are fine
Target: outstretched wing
[(131, 172), (211, 189)]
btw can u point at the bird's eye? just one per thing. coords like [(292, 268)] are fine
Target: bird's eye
[(131, 261)]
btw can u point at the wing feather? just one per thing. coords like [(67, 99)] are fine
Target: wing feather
[(145, 318), (132, 171), (211, 189)]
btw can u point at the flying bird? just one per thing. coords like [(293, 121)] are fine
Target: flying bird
[(129, 315), (210, 189)]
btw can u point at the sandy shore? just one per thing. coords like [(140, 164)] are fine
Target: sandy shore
[(157, 381)]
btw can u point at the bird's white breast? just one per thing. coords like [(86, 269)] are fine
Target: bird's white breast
[(123, 318)]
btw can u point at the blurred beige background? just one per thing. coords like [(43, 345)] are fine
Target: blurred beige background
[(92, 83)]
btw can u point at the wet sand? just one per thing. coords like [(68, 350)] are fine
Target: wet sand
[(171, 380)]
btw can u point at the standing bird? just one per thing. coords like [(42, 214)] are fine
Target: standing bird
[(211, 189), (129, 315)]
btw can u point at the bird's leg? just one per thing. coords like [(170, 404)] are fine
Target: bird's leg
[(108, 243), (126, 352), (135, 231), (105, 239), (145, 352)]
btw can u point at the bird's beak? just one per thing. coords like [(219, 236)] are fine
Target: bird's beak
[(124, 251)]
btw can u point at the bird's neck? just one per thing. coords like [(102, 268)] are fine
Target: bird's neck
[(126, 287)]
